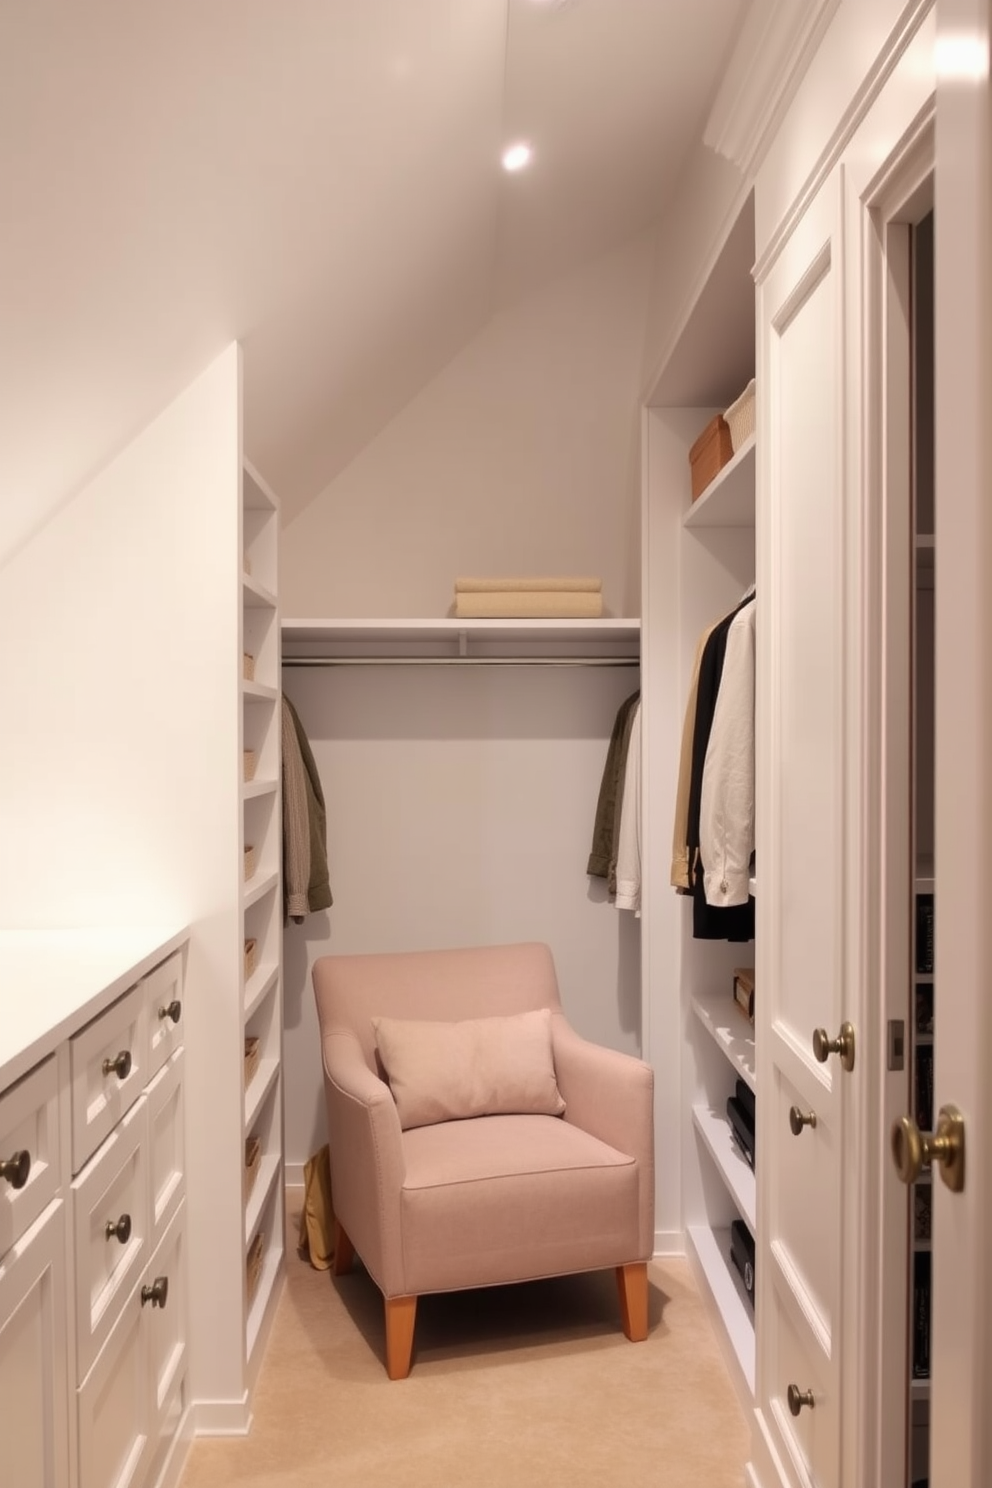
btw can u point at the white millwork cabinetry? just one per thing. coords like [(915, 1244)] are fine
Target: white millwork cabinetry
[(94, 1328)]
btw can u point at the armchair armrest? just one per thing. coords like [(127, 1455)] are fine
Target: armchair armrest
[(367, 1165), (611, 1096)]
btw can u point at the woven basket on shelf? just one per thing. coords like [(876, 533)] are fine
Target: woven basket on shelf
[(253, 1264), (253, 1161), (740, 417), (248, 665), (251, 957), (247, 565), (252, 1056), (250, 761), (249, 862)]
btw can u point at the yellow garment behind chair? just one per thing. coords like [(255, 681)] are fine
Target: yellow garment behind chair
[(317, 1219)]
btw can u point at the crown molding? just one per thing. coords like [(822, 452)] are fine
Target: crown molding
[(767, 64)]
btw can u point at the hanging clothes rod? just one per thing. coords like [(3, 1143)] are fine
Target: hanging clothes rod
[(504, 661)]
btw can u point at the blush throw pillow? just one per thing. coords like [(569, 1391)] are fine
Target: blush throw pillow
[(476, 1067)]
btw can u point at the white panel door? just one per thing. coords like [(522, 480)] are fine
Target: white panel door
[(34, 1423), (802, 790), (961, 1350)]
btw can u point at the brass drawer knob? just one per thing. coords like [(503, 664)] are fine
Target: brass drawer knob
[(16, 1169), (119, 1229), (843, 1044), (798, 1398), (157, 1294), (120, 1066), (799, 1118), (173, 1011)]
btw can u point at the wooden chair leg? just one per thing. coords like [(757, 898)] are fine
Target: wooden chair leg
[(344, 1251), (401, 1314), (632, 1284)]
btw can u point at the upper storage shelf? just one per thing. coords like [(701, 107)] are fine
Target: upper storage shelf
[(728, 500), (497, 642)]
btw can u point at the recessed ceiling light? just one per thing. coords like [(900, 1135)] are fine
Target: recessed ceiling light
[(517, 156)]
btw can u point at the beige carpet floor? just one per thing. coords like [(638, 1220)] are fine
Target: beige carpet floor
[(531, 1386)]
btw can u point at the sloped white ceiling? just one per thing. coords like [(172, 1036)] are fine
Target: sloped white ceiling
[(318, 179)]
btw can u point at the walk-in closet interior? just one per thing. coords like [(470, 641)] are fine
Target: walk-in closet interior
[(291, 366)]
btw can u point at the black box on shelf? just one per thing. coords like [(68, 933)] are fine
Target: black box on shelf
[(921, 1315), (922, 1196), (924, 1087), (924, 1009), (742, 1126), (742, 1255), (924, 934)]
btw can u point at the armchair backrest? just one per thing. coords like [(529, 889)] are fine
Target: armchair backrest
[(476, 982)]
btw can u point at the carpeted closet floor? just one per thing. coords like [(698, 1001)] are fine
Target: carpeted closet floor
[(531, 1386)]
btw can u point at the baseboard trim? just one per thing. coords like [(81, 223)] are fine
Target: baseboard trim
[(294, 1176), (221, 1417), (669, 1243)]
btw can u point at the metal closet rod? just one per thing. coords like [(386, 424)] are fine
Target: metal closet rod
[(505, 661)]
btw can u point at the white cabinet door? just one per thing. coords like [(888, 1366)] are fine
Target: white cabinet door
[(802, 801), (34, 1422)]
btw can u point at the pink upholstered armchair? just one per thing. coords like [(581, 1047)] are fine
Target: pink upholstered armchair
[(453, 1164)]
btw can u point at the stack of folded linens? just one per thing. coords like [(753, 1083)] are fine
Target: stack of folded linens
[(543, 598)]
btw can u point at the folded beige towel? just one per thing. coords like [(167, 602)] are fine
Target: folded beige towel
[(545, 585), (529, 604)]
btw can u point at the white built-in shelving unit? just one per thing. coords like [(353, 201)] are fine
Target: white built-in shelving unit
[(500, 642)]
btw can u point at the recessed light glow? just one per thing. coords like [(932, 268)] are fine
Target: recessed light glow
[(517, 156)]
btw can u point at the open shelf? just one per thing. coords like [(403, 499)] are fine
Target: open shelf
[(256, 888), (738, 1177), (259, 986), (252, 788), (730, 1030), (265, 1077), (269, 1169), (260, 690), (256, 596), (712, 1251), (424, 640), (728, 500)]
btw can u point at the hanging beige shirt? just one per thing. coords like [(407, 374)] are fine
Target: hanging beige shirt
[(680, 831)]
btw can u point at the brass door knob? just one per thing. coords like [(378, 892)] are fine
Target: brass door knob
[(173, 1011), (913, 1150), (120, 1066), (157, 1294), (799, 1118), (798, 1398), (16, 1169), (119, 1229), (843, 1044)]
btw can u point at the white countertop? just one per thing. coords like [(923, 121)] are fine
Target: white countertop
[(53, 981)]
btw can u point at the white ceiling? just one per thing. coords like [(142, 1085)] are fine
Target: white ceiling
[(318, 179)]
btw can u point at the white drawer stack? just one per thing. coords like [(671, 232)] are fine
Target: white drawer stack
[(93, 1325)]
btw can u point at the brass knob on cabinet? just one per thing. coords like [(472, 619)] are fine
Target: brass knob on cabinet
[(843, 1044), (798, 1398), (120, 1066), (16, 1169), (173, 1011), (157, 1294), (799, 1118), (913, 1150), (119, 1229)]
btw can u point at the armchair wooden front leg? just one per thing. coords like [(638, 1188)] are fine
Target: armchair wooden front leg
[(632, 1284), (344, 1251), (401, 1314)]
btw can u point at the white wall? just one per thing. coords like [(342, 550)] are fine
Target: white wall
[(520, 457)]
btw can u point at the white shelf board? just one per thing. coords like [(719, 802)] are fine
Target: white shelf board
[(728, 500), (447, 638), (265, 1077), (259, 986), (919, 1389), (256, 596), (923, 882), (271, 1266), (733, 1169), (730, 1030), (256, 888), (268, 1171), (252, 788), (712, 1248), (259, 690), (255, 493)]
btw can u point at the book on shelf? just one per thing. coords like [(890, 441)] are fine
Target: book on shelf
[(742, 1255), (922, 1208), (924, 934), (924, 1009), (740, 1111), (921, 1314), (923, 1080)]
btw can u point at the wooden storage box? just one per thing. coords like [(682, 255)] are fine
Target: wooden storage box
[(744, 990), (709, 454), (253, 1265), (252, 1056), (253, 1161)]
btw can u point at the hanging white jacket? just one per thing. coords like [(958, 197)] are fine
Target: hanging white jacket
[(726, 806)]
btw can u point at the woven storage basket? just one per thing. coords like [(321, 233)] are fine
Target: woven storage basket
[(740, 417), (247, 565), (253, 1161), (253, 1265), (251, 956), (249, 763), (709, 454), (248, 666), (252, 1056), (249, 862)]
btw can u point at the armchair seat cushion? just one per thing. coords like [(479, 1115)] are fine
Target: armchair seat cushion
[(495, 1199)]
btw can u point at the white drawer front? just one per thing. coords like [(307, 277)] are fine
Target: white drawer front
[(34, 1421), (111, 1190), (167, 1325), (164, 1001), (166, 1164), (29, 1125), (809, 1440), (114, 1405), (109, 1067)]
